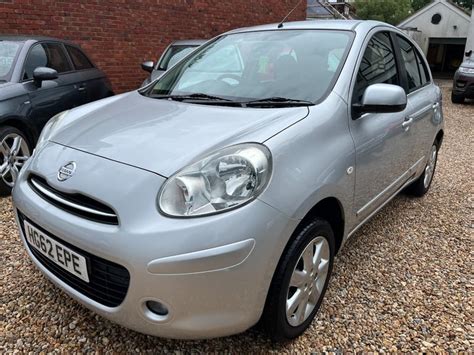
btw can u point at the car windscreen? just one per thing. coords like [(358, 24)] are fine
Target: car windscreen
[(8, 54), (291, 64), (173, 55)]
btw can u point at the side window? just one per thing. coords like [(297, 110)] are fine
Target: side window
[(46, 55), (425, 74), (79, 59), (411, 61), (378, 65)]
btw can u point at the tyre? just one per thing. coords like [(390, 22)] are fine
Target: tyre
[(300, 282), (457, 98), (14, 151), (421, 186)]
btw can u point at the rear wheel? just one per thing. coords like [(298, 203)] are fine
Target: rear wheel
[(457, 98), (14, 151), (421, 186), (300, 282)]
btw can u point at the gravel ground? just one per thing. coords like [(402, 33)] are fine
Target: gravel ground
[(404, 282)]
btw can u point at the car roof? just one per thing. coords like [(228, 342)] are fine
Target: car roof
[(26, 38), (189, 42), (348, 25)]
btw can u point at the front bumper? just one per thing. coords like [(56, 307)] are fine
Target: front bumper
[(463, 84), (213, 273)]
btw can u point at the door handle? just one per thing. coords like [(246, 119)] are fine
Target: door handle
[(407, 123), (81, 88), (436, 106)]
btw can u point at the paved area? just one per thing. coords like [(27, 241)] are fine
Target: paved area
[(404, 282)]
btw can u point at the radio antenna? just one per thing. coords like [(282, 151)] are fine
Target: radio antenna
[(280, 25)]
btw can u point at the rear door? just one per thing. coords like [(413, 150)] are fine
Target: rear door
[(422, 100), (91, 82), (382, 165), (53, 96)]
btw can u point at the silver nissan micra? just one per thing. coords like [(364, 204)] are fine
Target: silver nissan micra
[(219, 194)]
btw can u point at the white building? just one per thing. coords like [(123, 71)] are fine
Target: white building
[(441, 29), (470, 37)]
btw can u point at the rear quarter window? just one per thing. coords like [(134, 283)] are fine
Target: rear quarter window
[(79, 59), (416, 70)]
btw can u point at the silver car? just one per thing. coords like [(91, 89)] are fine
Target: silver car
[(220, 195)]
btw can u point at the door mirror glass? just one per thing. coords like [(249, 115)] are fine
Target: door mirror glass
[(382, 98), (41, 74), (148, 66)]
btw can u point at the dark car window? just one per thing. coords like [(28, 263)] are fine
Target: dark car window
[(378, 65), (425, 74), (49, 55), (79, 59), (8, 55), (411, 62)]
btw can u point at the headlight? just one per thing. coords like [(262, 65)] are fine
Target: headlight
[(48, 129), (224, 180), (466, 70)]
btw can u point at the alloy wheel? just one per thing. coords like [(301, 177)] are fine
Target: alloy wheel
[(14, 152), (307, 281), (430, 167)]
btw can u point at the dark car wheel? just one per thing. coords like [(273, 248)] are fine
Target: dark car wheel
[(300, 282), (457, 98), (14, 151), (421, 186)]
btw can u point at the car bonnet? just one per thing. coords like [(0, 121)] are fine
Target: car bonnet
[(164, 136)]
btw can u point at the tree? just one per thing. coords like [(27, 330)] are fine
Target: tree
[(467, 4), (390, 11), (418, 4)]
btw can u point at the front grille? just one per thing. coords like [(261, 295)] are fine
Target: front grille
[(108, 281), (77, 204)]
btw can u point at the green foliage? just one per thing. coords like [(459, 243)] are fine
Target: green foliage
[(467, 4), (390, 11), (418, 4)]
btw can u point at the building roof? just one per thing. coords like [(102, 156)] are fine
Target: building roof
[(448, 3)]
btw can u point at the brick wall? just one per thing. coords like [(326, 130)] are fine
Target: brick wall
[(120, 34)]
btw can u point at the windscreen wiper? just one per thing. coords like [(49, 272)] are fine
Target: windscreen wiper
[(196, 96), (278, 101)]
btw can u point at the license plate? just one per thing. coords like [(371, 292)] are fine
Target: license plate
[(60, 254)]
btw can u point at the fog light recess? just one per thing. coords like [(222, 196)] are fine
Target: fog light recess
[(157, 308)]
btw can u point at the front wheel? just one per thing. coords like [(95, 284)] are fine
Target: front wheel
[(14, 151), (300, 282), (421, 186)]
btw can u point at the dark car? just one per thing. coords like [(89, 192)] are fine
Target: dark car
[(172, 54), (39, 77), (463, 83)]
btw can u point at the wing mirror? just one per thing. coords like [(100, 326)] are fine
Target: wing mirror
[(41, 74), (382, 98), (148, 66)]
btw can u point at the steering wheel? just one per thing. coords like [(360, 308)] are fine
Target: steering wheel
[(232, 77)]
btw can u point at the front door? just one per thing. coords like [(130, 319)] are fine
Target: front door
[(53, 96), (381, 140)]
